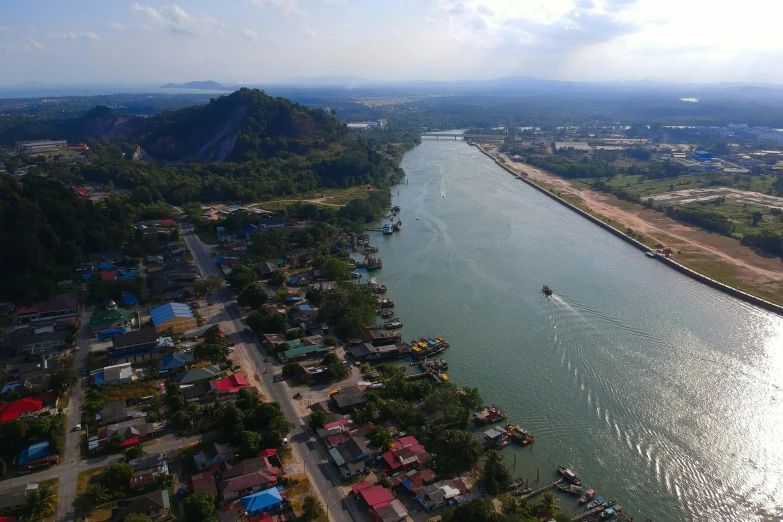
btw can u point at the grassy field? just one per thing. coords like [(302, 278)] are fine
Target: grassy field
[(648, 187), (329, 196), (209, 237), (64, 402), (86, 478), (134, 390)]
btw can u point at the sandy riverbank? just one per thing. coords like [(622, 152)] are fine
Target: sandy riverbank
[(722, 258)]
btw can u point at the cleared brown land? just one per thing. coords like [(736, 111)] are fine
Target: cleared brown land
[(722, 258)]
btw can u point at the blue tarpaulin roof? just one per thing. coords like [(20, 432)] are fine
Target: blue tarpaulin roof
[(34, 451), (168, 311), (262, 501), (305, 308), (176, 360), (130, 299)]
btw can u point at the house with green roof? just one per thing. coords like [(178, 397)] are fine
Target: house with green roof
[(302, 353), (114, 318)]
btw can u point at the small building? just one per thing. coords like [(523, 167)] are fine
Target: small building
[(378, 337), (262, 502), (392, 511), (174, 362), (228, 387), (115, 318), (114, 411), (137, 346), (216, 455), (204, 482), (437, 495), (198, 374), (155, 505), (702, 155), (272, 223), (51, 309), (177, 317), (303, 353), (349, 399), (266, 269), (114, 375), (368, 352), (405, 454), (15, 496), (247, 477), (19, 408), (36, 456)]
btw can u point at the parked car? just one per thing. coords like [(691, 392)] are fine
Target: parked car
[(230, 349), (195, 304)]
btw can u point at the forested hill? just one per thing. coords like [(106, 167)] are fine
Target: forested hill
[(45, 231), (243, 126)]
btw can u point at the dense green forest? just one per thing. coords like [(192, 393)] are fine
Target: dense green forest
[(46, 231)]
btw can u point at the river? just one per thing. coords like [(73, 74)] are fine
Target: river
[(662, 393)]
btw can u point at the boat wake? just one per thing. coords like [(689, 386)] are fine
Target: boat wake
[(443, 186)]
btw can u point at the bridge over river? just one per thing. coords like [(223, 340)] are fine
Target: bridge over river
[(438, 136)]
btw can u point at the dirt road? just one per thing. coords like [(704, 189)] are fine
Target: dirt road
[(723, 258)]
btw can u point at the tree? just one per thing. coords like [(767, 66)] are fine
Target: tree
[(94, 496), (214, 353), (470, 399), (207, 285), (515, 506), (251, 444), (317, 419), (381, 438), (133, 452), (311, 509), (137, 517), (496, 477), (277, 279), (291, 370), (264, 321), (253, 296), (335, 270), (41, 503), (115, 442), (118, 476), (240, 278), (463, 447), (477, 510), (757, 217), (548, 506), (200, 507), (3, 468)]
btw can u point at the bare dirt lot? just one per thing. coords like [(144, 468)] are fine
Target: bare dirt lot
[(732, 195), (722, 258)]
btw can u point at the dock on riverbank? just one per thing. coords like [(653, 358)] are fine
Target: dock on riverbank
[(536, 492), (595, 511), (735, 292)]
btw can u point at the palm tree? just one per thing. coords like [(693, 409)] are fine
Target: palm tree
[(464, 446), (41, 503), (93, 497), (548, 508), (518, 507)]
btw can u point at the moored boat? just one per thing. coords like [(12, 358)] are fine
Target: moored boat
[(595, 503), (589, 494), (391, 325), (569, 475), (387, 230), (489, 415), (650, 253)]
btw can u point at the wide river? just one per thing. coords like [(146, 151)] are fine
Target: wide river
[(662, 393)]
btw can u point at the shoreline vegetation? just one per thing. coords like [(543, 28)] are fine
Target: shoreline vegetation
[(711, 276)]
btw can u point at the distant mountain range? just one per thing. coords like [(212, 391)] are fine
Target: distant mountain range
[(205, 85)]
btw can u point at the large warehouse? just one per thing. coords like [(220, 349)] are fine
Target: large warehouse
[(175, 316)]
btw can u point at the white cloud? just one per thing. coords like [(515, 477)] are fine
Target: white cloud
[(87, 36), (174, 20), (287, 7), (253, 36), (35, 45), (116, 26)]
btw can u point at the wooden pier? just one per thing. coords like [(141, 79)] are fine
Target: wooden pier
[(595, 511), (536, 492)]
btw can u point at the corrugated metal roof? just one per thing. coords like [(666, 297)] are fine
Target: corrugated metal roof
[(169, 311)]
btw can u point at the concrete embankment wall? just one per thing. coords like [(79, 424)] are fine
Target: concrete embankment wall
[(739, 294)]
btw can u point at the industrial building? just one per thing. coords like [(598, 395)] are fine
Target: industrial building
[(177, 317)]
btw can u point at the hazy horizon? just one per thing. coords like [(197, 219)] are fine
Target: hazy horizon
[(258, 41)]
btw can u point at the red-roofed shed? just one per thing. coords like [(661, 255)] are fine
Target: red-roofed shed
[(356, 488), (268, 453), (12, 410), (376, 495), (109, 274)]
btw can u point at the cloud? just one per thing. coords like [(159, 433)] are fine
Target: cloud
[(249, 35), (287, 7), (35, 45), (5, 29), (86, 36), (176, 21), (116, 26)]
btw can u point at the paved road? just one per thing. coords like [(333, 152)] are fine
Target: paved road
[(321, 471)]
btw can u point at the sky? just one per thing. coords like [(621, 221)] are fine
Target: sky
[(253, 41)]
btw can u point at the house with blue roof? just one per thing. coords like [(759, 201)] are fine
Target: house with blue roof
[(129, 299), (175, 362), (35, 456), (177, 317), (262, 502)]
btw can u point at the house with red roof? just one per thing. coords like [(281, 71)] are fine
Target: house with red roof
[(228, 387), (167, 223), (108, 275), (15, 409), (51, 309), (237, 247), (406, 453), (383, 506)]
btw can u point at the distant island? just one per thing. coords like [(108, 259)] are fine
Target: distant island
[(207, 85)]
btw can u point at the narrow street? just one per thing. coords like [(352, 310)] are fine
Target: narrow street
[(322, 474)]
